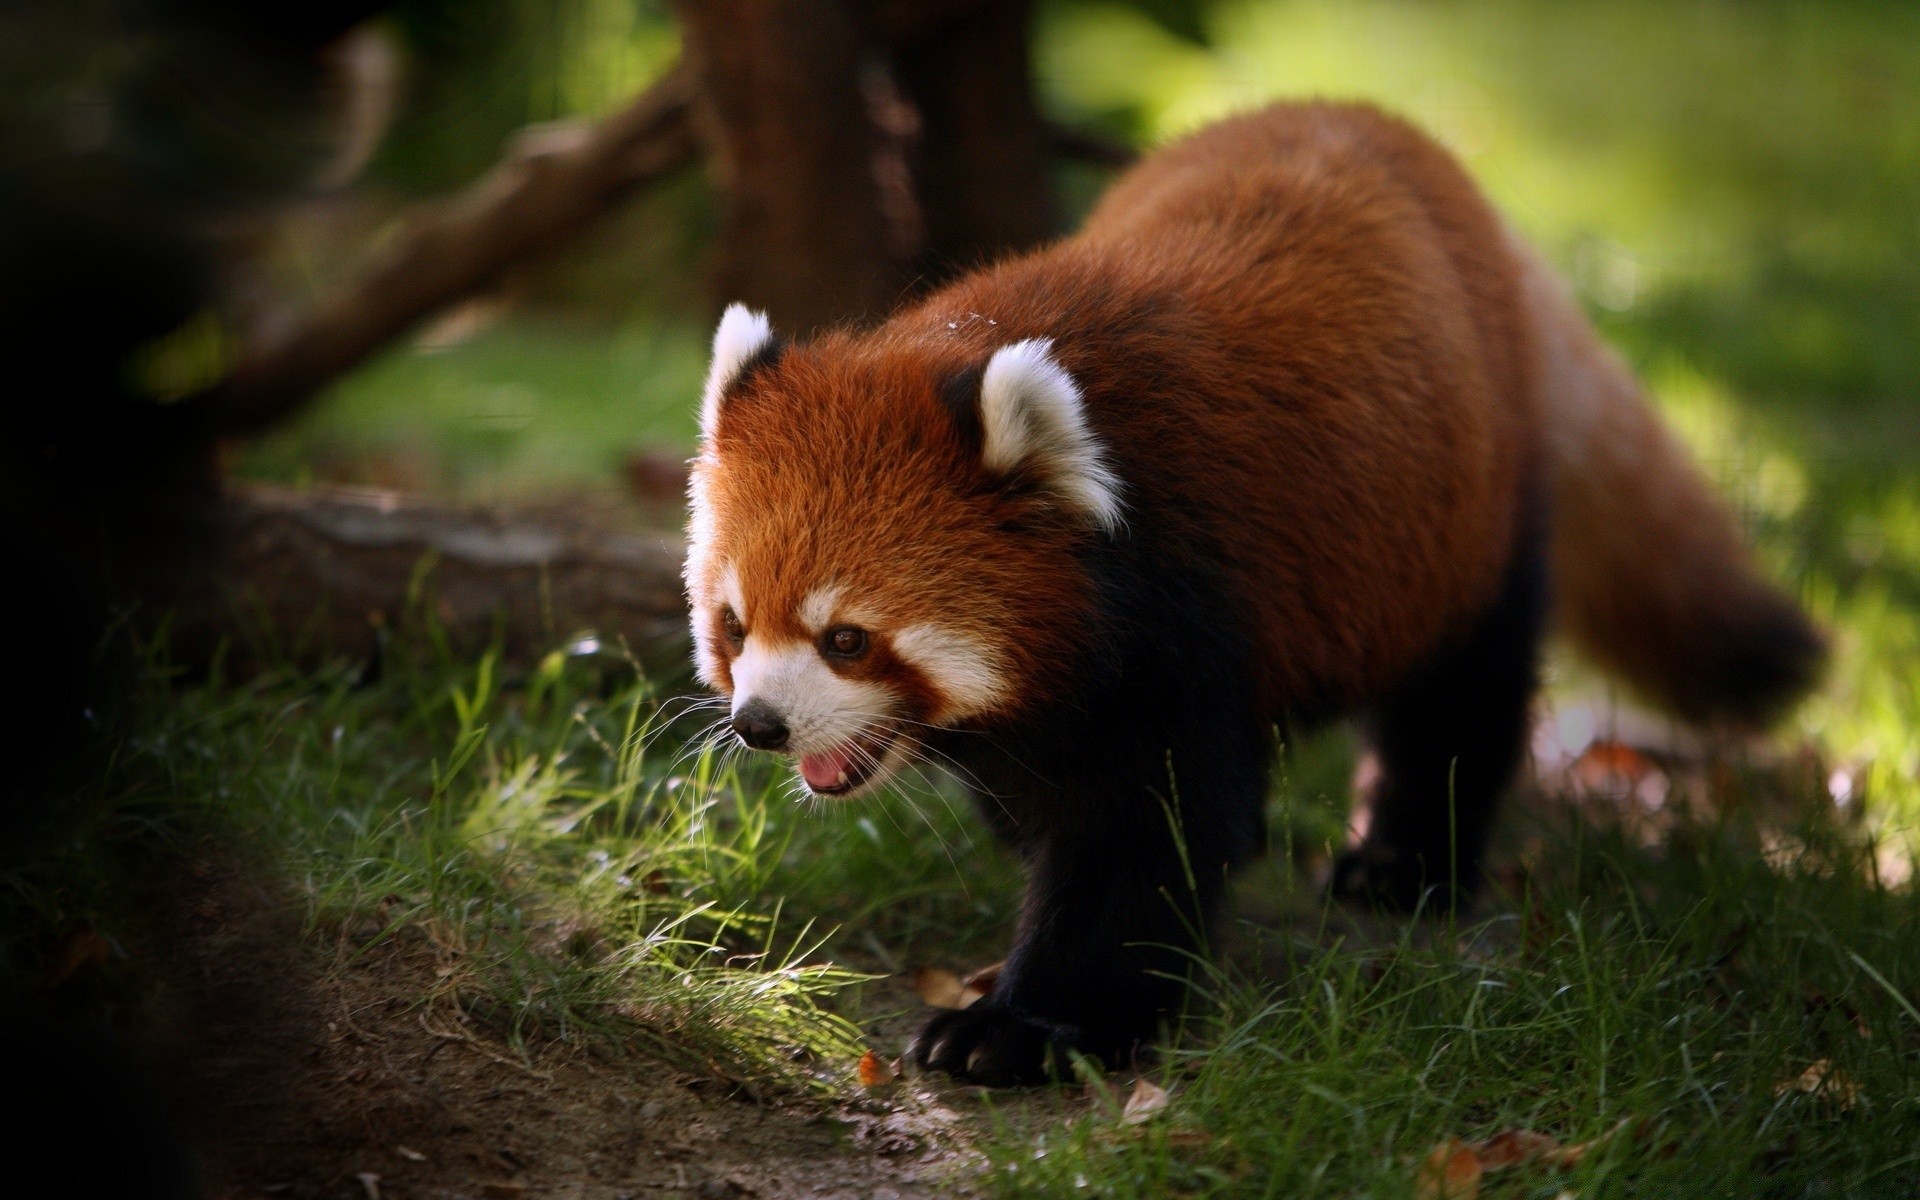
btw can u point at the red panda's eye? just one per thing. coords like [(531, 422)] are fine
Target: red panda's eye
[(730, 623), (845, 642)]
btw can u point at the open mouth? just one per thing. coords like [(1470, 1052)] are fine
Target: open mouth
[(847, 767)]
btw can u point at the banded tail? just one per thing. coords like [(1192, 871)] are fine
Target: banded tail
[(1652, 579)]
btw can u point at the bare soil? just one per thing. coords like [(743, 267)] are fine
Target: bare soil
[(294, 1071)]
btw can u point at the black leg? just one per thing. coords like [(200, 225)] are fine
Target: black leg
[(1449, 743), (1117, 902)]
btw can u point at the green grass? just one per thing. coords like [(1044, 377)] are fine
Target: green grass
[(1675, 991), (590, 873), (593, 872), (1731, 189)]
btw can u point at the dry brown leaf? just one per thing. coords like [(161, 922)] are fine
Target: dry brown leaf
[(1511, 1146), (1148, 1100), (941, 988), (874, 1072), (1602, 759), (1451, 1172), (1824, 1080)]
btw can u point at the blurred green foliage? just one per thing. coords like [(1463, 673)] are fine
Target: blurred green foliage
[(480, 72)]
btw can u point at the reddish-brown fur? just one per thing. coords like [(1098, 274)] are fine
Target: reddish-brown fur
[(1328, 368), (1351, 421), (1318, 370)]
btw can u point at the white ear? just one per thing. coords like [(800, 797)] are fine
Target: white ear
[(743, 333), (1031, 415)]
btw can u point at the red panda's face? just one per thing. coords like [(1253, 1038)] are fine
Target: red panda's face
[(882, 542)]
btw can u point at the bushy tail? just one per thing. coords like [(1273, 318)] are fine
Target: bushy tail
[(1650, 575)]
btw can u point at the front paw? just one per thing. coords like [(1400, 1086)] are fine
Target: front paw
[(988, 1044)]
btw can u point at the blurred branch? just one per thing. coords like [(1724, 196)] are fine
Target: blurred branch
[(557, 179)]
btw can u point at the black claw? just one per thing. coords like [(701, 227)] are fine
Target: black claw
[(988, 1045)]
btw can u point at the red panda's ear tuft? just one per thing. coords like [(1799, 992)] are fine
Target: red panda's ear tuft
[(1032, 420), (743, 339)]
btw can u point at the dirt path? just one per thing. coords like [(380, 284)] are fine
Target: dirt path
[(292, 1077)]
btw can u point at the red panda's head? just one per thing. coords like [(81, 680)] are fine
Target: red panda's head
[(883, 540)]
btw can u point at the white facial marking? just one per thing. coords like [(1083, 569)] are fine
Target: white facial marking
[(742, 334), (1031, 413), (706, 660), (821, 709), (963, 668), (701, 521), (816, 611), (731, 593)]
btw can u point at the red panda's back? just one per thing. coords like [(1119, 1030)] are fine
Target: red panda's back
[(1346, 417)]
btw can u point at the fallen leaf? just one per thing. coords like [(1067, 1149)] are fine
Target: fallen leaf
[(1148, 1100), (1451, 1172), (874, 1072), (1511, 1146), (941, 988), (1825, 1081), (1602, 759)]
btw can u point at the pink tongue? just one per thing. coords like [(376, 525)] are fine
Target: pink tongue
[(823, 771)]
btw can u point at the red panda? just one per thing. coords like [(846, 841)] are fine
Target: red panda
[(1292, 429)]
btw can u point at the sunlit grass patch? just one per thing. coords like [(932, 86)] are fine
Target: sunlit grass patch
[(582, 865), (1662, 1005)]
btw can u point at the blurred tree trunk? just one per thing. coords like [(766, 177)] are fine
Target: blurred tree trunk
[(863, 149), (984, 152), (804, 233)]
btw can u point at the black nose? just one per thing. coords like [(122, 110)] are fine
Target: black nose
[(759, 726)]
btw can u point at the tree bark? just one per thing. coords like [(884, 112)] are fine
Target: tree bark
[(805, 234)]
